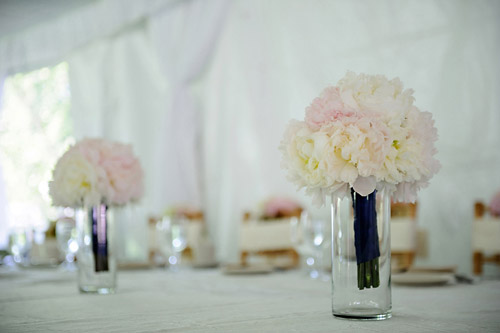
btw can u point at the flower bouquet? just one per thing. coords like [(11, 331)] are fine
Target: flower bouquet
[(359, 138), (278, 208), (93, 175)]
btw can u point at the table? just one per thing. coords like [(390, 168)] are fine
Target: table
[(208, 301)]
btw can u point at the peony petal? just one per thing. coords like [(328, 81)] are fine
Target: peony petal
[(365, 185)]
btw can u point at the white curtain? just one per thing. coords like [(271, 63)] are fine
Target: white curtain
[(185, 37), (138, 87), (134, 68), (49, 42), (274, 57), (118, 93), (3, 198)]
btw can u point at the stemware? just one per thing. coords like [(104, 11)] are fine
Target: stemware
[(178, 238), (174, 232), (67, 242), (315, 238), (297, 237), (19, 246)]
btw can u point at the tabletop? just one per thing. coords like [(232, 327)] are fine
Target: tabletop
[(208, 301)]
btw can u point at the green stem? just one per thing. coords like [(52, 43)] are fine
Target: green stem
[(376, 282), (361, 276), (369, 274)]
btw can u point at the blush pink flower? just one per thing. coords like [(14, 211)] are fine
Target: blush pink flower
[(365, 133), (280, 207), (495, 205), (326, 108), (117, 173), (124, 173)]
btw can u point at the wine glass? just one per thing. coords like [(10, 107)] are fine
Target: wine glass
[(178, 240), (19, 245), (174, 233), (315, 234), (67, 242), (300, 241)]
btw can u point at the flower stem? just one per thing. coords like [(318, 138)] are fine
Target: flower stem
[(366, 240)]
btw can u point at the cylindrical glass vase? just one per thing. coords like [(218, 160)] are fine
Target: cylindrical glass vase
[(95, 256), (361, 256)]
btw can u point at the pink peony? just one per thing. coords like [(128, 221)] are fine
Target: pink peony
[(364, 133), (124, 173), (280, 207), (326, 108), (495, 205), (118, 173)]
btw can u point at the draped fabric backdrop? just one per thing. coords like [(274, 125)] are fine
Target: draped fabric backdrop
[(121, 91), (3, 199), (274, 57), (117, 93), (203, 90), (184, 38)]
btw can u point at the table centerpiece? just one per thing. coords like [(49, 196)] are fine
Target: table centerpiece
[(94, 176), (361, 143)]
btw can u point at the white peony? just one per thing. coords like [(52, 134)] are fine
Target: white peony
[(75, 181), (365, 133)]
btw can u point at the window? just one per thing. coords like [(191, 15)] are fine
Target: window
[(35, 129)]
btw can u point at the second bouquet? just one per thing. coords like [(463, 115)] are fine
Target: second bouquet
[(92, 176)]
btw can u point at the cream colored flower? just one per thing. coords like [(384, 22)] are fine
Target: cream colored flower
[(75, 181), (365, 133)]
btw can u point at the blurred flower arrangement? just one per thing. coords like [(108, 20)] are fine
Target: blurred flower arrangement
[(95, 171), (365, 133), (279, 207), (187, 211), (495, 205)]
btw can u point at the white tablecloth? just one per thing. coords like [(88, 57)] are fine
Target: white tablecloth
[(207, 301)]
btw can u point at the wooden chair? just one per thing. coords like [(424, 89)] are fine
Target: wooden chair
[(485, 238), (403, 234), (194, 234), (268, 239)]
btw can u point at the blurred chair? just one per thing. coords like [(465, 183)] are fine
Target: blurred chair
[(403, 234), (44, 250), (266, 236), (199, 251), (485, 238)]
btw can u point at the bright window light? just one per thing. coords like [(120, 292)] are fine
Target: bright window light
[(35, 129)]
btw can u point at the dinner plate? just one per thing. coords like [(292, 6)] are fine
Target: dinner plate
[(247, 269), (422, 279)]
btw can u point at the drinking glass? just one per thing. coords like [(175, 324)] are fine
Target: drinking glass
[(300, 235), (315, 234), (19, 245), (67, 242), (178, 237), (174, 232)]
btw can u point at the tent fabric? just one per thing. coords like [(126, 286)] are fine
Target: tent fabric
[(185, 38), (3, 198), (50, 42), (137, 87)]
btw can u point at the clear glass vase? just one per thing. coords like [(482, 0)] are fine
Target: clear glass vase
[(361, 256), (95, 256)]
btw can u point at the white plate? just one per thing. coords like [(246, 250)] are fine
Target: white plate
[(421, 279), (249, 269)]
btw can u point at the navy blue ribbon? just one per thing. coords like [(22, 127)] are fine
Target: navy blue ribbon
[(365, 227), (100, 238)]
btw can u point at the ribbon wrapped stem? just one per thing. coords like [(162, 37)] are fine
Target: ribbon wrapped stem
[(366, 239)]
